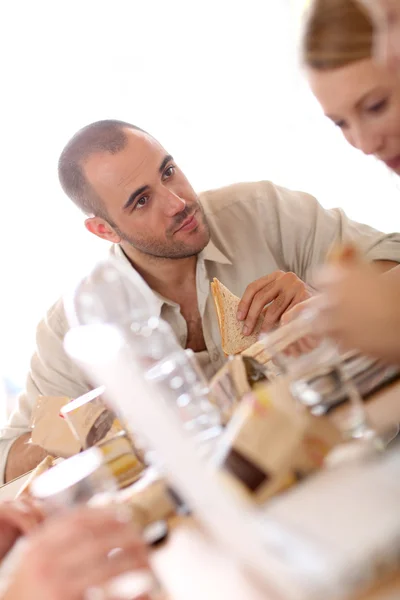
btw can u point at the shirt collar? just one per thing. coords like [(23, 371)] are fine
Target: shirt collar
[(158, 300), (210, 253)]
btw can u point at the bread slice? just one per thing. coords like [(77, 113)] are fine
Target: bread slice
[(226, 304), (344, 254), (258, 352)]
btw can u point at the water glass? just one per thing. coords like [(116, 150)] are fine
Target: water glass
[(315, 371), (86, 479)]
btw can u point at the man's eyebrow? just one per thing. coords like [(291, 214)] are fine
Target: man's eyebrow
[(164, 163), (142, 189), (134, 195)]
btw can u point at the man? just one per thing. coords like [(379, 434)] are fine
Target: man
[(262, 241)]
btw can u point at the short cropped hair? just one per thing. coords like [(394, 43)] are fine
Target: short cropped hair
[(101, 136)]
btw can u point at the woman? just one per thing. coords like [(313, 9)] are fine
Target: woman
[(362, 97), (386, 17)]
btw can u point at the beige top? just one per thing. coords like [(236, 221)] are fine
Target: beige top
[(256, 228)]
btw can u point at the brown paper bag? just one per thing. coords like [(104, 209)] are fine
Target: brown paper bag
[(94, 424), (149, 499), (49, 430), (233, 381), (272, 442), (121, 458)]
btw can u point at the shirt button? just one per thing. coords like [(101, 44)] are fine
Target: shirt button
[(215, 356)]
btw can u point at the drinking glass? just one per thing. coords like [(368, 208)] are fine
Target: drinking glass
[(114, 296), (315, 372), (86, 479), (93, 423)]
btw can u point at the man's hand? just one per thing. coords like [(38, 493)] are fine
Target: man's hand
[(74, 552), (284, 290), (17, 518)]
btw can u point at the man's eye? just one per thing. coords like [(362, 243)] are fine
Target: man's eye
[(142, 202), (170, 171)]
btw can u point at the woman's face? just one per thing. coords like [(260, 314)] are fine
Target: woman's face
[(363, 100), (386, 17)]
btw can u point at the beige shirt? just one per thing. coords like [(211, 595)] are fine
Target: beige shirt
[(256, 228)]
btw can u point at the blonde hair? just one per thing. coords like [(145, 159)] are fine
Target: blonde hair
[(337, 33)]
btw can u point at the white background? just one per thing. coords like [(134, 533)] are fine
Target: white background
[(216, 82)]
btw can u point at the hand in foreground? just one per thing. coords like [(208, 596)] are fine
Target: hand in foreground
[(361, 310), (284, 290), (70, 554), (309, 342), (17, 517)]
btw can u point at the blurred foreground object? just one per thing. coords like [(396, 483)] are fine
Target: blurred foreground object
[(87, 479), (271, 443), (93, 423)]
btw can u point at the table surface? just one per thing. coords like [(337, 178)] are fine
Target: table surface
[(188, 551), (191, 567), (210, 576)]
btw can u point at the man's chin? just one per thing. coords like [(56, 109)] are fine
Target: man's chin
[(191, 247), (203, 237)]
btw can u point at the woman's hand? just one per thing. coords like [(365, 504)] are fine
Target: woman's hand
[(70, 554), (17, 517), (361, 309)]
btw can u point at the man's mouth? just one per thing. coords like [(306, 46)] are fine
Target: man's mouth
[(188, 224)]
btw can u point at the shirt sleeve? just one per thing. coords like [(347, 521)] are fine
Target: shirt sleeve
[(306, 232), (52, 373)]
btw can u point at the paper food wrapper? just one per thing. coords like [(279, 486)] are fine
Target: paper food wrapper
[(95, 424), (85, 427), (50, 431), (121, 458), (228, 386), (92, 422), (272, 442), (232, 382), (149, 500)]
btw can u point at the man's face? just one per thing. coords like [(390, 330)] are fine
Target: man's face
[(150, 204)]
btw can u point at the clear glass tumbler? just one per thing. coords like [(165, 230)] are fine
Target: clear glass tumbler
[(315, 371), (86, 479)]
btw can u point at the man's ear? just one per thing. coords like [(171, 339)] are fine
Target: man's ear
[(102, 229)]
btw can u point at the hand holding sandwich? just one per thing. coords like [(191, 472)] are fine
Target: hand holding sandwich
[(281, 291)]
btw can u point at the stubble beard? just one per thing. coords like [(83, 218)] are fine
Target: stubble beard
[(175, 249)]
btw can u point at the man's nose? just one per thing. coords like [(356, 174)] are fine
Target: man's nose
[(172, 203)]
